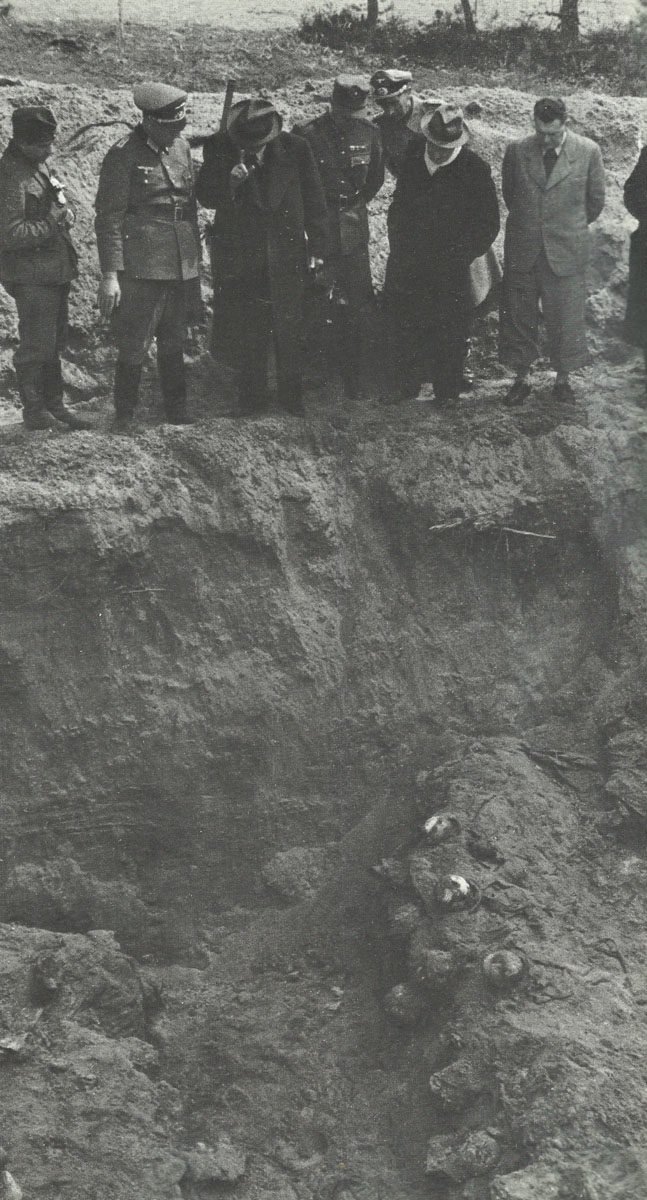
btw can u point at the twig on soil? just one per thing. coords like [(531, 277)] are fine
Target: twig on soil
[(552, 537), (135, 591), (528, 533), (448, 525)]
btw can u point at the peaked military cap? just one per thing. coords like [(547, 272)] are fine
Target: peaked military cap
[(350, 92), (33, 123), (445, 126), (389, 81), (161, 101), (253, 122)]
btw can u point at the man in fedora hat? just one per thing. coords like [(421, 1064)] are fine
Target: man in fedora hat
[(270, 218), (444, 214), (37, 265), (553, 186), (348, 151), (399, 123), (147, 234)]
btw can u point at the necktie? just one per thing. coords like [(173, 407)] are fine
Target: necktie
[(550, 158)]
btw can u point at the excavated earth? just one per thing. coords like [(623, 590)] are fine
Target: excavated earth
[(241, 664)]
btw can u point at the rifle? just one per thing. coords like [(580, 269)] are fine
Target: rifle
[(199, 139)]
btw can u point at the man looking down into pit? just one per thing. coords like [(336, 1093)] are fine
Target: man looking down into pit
[(147, 235), (38, 262)]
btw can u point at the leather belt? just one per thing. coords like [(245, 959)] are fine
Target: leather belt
[(165, 212)]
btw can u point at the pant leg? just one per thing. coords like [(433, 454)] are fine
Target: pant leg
[(135, 323), (62, 320), (172, 323), (447, 332), (407, 333), (256, 336), (519, 320), (563, 302), (42, 322)]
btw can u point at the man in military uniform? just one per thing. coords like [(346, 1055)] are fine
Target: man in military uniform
[(147, 234), (37, 265), (402, 111), (348, 151)]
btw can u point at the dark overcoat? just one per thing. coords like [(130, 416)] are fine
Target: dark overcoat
[(35, 247), (261, 238), (438, 224), (635, 196)]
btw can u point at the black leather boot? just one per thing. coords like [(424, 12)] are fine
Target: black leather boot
[(126, 393), (172, 377), (53, 392), (32, 396)]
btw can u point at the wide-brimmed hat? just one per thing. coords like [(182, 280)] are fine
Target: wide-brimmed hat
[(33, 123), (253, 122), (445, 126)]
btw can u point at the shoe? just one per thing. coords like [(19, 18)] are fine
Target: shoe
[(290, 396), (30, 387), (294, 408), (516, 395), (39, 419), (123, 423), (179, 418), (563, 392), (52, 379), (251, 408)]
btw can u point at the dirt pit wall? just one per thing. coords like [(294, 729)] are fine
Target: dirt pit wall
[(241, 664)]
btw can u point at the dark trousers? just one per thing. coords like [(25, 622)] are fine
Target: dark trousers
[(428, 340), (252, 320), (151, 308), (42, 321)]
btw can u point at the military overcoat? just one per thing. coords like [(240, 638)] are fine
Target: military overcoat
[(348, 154)]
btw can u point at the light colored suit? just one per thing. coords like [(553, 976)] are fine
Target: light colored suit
[(551, 214), (547, 248)]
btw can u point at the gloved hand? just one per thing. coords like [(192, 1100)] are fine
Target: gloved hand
[(109, 294)]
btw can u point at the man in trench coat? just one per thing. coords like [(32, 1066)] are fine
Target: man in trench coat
[(444, 214), (270, 222), (553, 186)]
